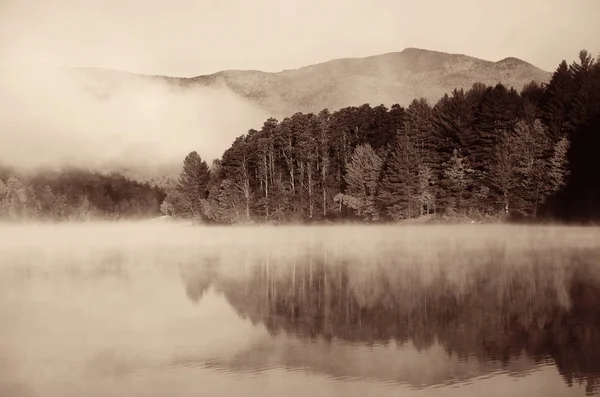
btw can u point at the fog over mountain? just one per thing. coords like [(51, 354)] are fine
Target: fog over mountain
[(59, 117), (112, 119)]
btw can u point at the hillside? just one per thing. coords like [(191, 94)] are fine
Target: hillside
[(390, 78)]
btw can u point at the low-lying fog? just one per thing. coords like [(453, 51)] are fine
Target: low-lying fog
[(153, 309)]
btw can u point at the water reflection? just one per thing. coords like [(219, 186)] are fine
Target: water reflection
[(421, 320), (198, 277), (186, 312)]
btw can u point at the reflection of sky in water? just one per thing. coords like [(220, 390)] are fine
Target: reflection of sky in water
[(155, 317)]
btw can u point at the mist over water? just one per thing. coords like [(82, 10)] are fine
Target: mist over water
[(144, 309)]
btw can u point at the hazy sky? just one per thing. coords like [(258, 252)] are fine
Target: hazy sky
[(191, 37), (53, 119)]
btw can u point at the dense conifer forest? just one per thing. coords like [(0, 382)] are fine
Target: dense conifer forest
[(490, 152)]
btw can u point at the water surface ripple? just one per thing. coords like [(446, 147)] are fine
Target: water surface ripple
[(174, 310)]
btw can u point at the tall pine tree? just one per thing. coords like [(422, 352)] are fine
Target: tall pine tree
[(398, 192), (193, 184), (557, 100), (361, 178)]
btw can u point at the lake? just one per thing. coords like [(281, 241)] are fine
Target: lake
[(143, 309)]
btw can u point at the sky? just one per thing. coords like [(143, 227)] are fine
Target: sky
[(48, 119), (194, 37)]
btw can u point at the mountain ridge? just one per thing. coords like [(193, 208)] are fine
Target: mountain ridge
[(393, 77)]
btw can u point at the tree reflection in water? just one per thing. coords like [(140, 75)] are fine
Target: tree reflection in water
[(490, 302)]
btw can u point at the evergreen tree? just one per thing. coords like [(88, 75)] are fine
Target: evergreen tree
[(520, 170), (558, 170), (586, 96), (457, 180), (453, 122), (503, 175), (419, 125), (496, 114), (236, 169), (232, 204), (193, 184), (399, 186), (453, 127), (327, 180), (532, 96), (308, 159), (397, 118), (531, 143), (361, 179), (582, 192), (426, 193), (557, 100)]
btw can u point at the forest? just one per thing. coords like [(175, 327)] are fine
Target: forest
[(75, 195), (490, 153), (487, 153)]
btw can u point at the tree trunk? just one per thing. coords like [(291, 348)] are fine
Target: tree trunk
[(265, 178), (310, 190)]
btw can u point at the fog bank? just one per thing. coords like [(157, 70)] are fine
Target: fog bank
[(98, 118)]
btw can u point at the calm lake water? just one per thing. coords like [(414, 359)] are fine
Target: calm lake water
[(173, 310)]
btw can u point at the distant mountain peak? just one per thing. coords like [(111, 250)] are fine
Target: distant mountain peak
[(423, 50), (512, 61), (391, 78)]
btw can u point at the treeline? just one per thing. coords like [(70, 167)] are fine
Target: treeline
[(76, 195), (484, 152)]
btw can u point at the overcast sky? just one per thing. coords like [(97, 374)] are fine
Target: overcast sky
[(192, 37)]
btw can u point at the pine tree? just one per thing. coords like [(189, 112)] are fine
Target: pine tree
[(232, 204), (586, 96), (496, 115), (426, 195), (361, 180), (531, 144), (557, 101), (558, 169), (308, 159), (264, 142), (419, 126), (193, 184), (457, 179), (397, 118), (236, 174), (399, 187), (453, 127), (582, 192), (532, 96), (324, 158), (453, 122)]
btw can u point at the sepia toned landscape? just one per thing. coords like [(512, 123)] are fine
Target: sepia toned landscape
[(133, 309), (299, 198)]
